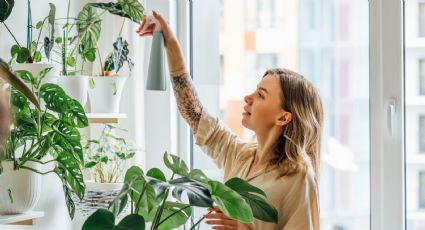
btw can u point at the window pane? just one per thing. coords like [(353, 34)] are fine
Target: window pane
[(415, 113), (327, 42)]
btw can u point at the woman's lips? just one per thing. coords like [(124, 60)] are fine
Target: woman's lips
[(246, 114)]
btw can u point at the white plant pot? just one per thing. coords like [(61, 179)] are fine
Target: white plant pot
[(25, 188), (105, 95), (35, 68), (75, 86)]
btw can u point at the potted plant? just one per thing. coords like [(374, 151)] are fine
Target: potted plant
[(38, 137), (29, 57), (76, 47), (105, 90), (148, 193), (105, 159)]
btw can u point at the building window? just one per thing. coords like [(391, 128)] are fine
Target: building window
[(265, 61), (421, 19), (422, 189), (422, 134), (266, 15), (422, 76)]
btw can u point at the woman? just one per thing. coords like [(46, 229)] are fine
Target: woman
[(285, 112)]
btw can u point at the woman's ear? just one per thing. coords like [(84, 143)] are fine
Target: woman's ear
[(284, 118)]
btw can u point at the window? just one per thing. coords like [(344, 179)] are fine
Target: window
[(422, 76), (422, 134), (421, 10), (422, 189), (340, 71)]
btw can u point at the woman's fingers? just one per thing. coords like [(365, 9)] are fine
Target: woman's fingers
[(142, 24), (164, 25), (225, 222), (215, 216), (224, 227)]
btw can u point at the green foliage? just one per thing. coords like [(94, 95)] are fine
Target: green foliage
[(116, 60), (148, 195), (106, 156), (50, 131), (89, 27), (6, 7)]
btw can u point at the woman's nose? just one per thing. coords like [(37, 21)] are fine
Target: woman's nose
[(248, 99)]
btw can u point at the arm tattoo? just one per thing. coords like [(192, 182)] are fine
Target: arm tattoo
[(187, 100)]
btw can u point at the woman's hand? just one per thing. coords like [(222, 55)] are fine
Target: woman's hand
[(219, 220), (148, 26)]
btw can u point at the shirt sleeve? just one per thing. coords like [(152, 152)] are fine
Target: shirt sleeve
[(217, 142), (301, 205)]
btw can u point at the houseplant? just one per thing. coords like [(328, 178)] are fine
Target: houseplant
[(28, 57), (42, 136), (105, 90), (148, 193), (105, 159)]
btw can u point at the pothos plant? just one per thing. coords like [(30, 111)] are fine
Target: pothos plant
[(148, 197), (52, 130), (106, 156), (32, 51)]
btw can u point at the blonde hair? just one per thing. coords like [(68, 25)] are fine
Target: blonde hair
[(298, 148)]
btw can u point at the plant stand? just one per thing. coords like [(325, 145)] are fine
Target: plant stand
[(28, 218)]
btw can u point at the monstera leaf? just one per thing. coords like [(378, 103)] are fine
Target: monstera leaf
[(116, 60), (16, 83), (103, 219), (6, 7), (89, 27)]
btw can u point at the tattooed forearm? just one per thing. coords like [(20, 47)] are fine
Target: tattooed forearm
[(187, 100)]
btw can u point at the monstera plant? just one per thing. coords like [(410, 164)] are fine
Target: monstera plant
[(49, 131), (148, 193)]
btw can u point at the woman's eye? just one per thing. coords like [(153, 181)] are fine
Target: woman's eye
[(259, 94)]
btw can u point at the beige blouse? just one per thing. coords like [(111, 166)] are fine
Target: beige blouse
[(295, 197)]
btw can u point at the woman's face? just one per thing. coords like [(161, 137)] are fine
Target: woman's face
[(263, 107)]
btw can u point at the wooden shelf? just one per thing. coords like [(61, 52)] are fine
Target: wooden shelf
[(102, 118), (28, 218)]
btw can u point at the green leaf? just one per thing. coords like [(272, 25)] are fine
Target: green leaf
[(6, 7), (132, 221), (23, 55), (14, 50), (255, 197), (41, 75), (113, 8), (37, 56), (133, 8), (114, 87), (238, 184), (68, 138), (55, 98), (116, 60), (175, 164), (89, 27), (90, 164), (118, 204), (197, 194), (73, 174), (39, 25), (198, 175), (180, 214), (60, 171), (230, 202), (102, 219), (26, 76), (71, 61), (91, 83), (90, 55), (157, 174), (58, 40), (75, 115)]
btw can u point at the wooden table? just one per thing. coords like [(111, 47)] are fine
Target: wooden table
[(28, 218)]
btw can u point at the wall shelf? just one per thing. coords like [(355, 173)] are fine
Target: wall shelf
[(28, 218), (102, 118)]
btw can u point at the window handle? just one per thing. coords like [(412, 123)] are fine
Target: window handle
[(391, 117)]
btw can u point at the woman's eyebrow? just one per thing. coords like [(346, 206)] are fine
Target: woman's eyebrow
[(262, 88)]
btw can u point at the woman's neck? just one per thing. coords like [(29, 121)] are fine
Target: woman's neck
[(266, 143)]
